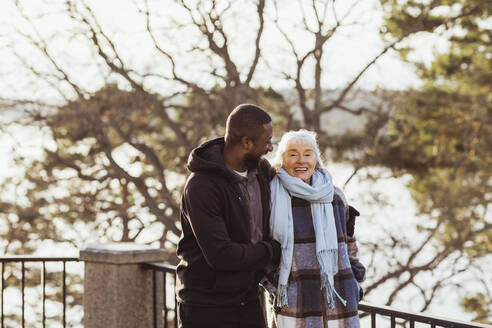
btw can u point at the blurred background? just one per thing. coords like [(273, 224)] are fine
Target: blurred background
[(102, 101)]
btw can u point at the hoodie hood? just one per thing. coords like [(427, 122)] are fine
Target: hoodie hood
[(209, 157)]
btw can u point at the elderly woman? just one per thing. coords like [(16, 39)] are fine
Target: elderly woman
[(316, 285)]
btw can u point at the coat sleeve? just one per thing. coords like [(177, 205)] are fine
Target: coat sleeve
[(357, 268), (202, 206), (353, 251)]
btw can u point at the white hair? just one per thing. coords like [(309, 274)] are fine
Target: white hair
[(300, 135)]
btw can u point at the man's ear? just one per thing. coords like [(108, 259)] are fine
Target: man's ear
[(247, 143)]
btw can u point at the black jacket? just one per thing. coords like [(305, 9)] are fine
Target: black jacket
[(218, 263)]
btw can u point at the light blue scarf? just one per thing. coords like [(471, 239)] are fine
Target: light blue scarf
[(320, 195)]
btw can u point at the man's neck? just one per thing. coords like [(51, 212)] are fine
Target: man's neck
[(234, 160)]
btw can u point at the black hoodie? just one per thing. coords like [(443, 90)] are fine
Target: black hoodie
[(218, 263)]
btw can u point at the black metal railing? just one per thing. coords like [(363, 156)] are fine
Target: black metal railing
[(394, 316), (12, 263), (163, 295), (164, 298), (404, 317)]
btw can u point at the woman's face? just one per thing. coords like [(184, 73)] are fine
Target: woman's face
[(299, 160)]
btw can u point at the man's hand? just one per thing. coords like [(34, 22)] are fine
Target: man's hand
[(353, 213)]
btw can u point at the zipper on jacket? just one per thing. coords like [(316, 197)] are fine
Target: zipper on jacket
[(238, 192)]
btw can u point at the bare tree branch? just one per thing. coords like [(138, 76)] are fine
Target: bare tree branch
[(260, 8)]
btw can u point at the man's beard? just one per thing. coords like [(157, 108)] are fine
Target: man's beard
[(251, 161)]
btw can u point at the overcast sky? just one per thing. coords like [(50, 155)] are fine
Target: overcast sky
[(346, 53)]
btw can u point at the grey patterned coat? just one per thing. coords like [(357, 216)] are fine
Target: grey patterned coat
[(306, 306)]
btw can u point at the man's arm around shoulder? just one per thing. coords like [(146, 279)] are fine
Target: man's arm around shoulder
[(203, 207)]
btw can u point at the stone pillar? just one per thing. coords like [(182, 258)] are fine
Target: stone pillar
[(117, 289)]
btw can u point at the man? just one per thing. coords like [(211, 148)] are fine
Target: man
[(225, 245)]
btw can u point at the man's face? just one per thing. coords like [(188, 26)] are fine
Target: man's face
[(261, 146)]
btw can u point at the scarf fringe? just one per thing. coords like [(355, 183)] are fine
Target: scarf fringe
[(329, 290), (328, 261), (281, 296)]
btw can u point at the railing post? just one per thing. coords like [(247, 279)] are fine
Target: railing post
[(117, 290)]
